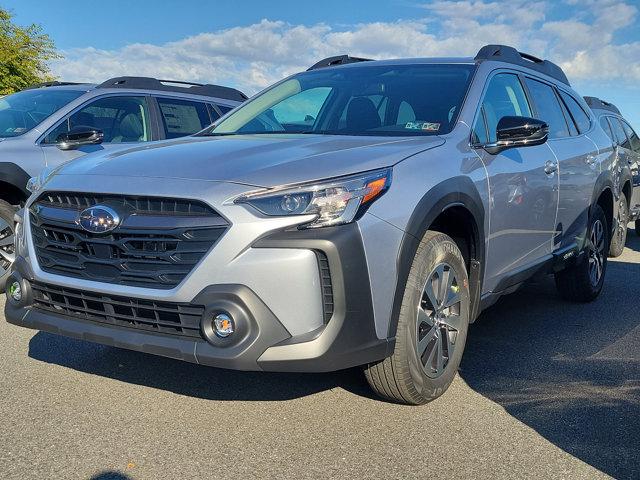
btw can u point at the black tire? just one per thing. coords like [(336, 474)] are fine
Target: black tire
[(619, 236), (638, 227), (577, 283), (7, 230), (407, 376)]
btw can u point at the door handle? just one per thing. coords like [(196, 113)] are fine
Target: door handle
[(590, 159), (550, 167)]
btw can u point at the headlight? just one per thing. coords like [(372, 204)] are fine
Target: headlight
[(36, 183), (334, 202)]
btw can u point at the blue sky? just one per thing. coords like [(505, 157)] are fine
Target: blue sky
[(250, 44)]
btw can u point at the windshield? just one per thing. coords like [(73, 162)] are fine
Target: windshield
[(394, 100), (22, 111)]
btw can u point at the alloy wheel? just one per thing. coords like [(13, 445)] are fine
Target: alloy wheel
[(7, 252), (438, 320), (596, 252)]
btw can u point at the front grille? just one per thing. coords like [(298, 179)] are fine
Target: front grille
[(161, 317), (325, 285), (140, 205), (157, 248)]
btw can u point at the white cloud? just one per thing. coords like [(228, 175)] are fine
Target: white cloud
[(254, 56)]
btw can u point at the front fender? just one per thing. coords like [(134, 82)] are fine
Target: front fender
[(456, 191)]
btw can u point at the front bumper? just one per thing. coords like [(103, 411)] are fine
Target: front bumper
[(261, 342)]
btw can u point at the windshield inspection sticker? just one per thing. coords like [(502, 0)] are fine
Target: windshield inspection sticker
[(426, 126)]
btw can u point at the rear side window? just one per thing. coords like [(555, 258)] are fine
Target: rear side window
[(183, 117), (224, 109), (604, 123), (618, 131), (121, 119), (548, 108), (505, 97), (213, 113), (633, 137), (580, 117)]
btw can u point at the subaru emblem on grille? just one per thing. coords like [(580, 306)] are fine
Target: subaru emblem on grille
[(98, 219)]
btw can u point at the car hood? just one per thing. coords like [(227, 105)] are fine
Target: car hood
[(258, 160)]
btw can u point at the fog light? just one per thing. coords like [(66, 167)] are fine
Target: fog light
[(15, 291), (223, 325)]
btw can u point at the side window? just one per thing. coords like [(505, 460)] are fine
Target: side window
[(548, 108), (573, 129), (505, 97), (182, 117), (580, 117), (213, 113), (604, 123), (618, 131), (479, 135), (121, 119), (224, 109), (633, 137)]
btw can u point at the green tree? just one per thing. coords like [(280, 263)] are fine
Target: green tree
[(24, 53)]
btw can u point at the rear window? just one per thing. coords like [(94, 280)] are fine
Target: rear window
[(579, 116), (547, 108), (24, 110), (604, 123), (183, 117)]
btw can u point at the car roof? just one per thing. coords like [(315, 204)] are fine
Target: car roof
[(408, 61), (130, 84), (493, 53)]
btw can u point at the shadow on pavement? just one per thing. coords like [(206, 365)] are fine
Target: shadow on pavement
[(187, 378), (569, 371), (110, 475)]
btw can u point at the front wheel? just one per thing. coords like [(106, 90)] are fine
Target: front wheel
[(583, 281), (619, 237), (7, 249), (432, 326)]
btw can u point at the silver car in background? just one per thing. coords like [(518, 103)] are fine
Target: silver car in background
[(49, 124)]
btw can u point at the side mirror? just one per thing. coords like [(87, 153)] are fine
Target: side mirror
[(518, 132), (79, 136)]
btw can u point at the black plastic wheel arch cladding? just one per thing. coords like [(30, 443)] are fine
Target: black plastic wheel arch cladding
[(605, 182), (14, 175), (455, 192)]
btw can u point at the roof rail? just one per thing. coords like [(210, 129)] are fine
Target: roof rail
[(148, 83), (595, 102), (503, 53), (337, 60), (51, 84)]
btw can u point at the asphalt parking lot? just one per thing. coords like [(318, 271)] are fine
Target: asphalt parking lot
[(546, 389)]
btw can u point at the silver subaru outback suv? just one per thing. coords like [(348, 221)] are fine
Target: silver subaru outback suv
[(361, 213)]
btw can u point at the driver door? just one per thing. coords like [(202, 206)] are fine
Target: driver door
[(523, 188)]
